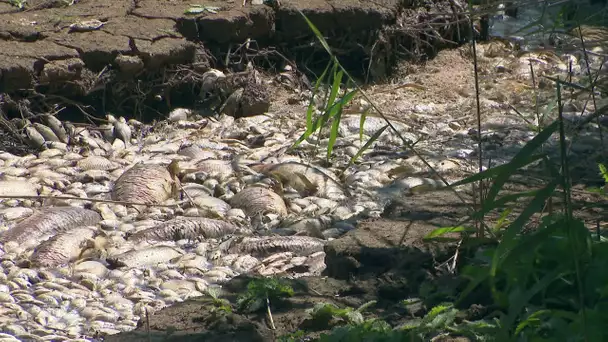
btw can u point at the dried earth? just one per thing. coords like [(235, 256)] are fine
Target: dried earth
[(144, 57)]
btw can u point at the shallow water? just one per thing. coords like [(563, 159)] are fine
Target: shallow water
[(536, 21)]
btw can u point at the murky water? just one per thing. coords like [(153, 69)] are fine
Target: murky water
[(537, 21)]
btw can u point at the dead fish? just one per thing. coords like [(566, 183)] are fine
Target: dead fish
[(144, 257), (232, 106), (189, 228), (34, 138), (96, 163), (296, 181), (57, 127), (49, 220), (179, 114), (351, 124), (265, 246), (255, 200), (86, 25), (46, 132), (326, 186), (196, 152), (62, 248), (18, 188), (210, 79), (211, 205), (195, 190), (107, 131), (148, 184), (215, 168), (122, 131)]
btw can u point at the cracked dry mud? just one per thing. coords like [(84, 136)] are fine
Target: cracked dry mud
[(40, 44)]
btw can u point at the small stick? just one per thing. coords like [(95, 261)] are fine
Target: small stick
[(455, 259), (148, 324), (190, 199), (174, 170), (93, 200), (272, 326)]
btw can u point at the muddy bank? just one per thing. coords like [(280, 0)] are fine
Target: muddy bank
[(142, 58)]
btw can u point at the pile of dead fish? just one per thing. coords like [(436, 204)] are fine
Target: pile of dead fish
[(105, 223)]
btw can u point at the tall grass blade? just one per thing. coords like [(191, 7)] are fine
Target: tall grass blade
[(502, 201), (335, 113), (568, 84), (516, 305), (318, 34), (521, 159), (310, 123), (311, 104), (335, 125), (368, 143), (529, 243), (362, 123), (509, 238), (446, 230), (494, 172), (335, 87)]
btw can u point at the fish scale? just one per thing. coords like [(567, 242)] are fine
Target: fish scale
[(50, 220), (258, 200), (265, 246), (61, 248), (149, 184), (193, 228)]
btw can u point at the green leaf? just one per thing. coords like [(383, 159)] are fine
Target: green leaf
[(603, 172), (333, 134), (335, 113), (446, 230), (522, 158), (534, 318), (335, 88), (310, 124), (529, 243), (500, 202), (503, 219), (362, 123), (317, 33), (519, 302), (198, 9), (516, 226), (493, 172), (476, 276)]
